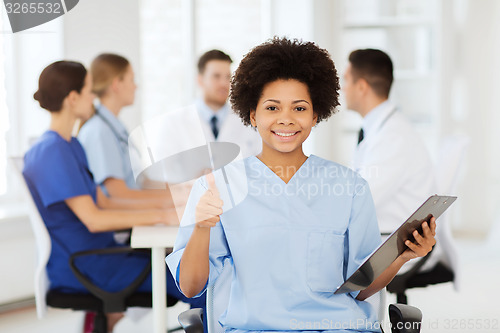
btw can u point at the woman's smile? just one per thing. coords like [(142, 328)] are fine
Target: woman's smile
[(285, 135)]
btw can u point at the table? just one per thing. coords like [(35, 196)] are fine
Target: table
[(157, 238)]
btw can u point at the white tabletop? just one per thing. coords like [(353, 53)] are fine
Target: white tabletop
[(153, 236)]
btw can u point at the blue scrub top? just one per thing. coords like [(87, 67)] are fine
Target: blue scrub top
[(105, 140), (290, 244), (56, 170)]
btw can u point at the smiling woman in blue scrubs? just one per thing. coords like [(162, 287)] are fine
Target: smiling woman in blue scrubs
[(77, 214), (305, 224)]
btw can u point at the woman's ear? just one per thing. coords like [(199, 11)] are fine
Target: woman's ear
[(72, 98), (114, 84), (315, 119), (252, 118)]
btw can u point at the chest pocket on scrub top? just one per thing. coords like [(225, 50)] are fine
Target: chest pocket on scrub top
[(325, 256)]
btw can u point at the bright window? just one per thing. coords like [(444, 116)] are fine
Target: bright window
[(23, 56)]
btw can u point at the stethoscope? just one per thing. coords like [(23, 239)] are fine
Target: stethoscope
[(382, 123), (394, 109), (117, 135)]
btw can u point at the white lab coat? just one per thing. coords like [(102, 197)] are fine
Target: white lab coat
[(396, 164), (233, 130)]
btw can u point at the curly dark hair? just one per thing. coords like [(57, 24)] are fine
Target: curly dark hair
[(281, 58)]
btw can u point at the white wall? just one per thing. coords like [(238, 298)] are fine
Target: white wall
[(175, 33), (17, 259), (27, 54), (97, 26), (470, 105)]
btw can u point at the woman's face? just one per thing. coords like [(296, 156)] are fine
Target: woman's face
[(284, 116), (126, 87), (84, 100)]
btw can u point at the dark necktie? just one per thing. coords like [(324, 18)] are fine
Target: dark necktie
[(213, 123), (360, 136)]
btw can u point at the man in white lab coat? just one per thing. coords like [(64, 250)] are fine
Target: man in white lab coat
[(218, 121), (390, 155)]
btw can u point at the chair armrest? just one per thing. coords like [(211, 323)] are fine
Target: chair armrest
[(405, 318), (112, 301), (192, 320)]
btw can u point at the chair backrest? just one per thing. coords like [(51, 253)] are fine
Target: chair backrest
[(42, 238), (449, 164), (218, 298)]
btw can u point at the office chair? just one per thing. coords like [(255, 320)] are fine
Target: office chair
[(404, 318), (97, 300), (451, 157)]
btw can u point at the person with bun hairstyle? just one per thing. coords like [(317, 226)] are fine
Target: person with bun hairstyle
[(77, 214), (304, 224)]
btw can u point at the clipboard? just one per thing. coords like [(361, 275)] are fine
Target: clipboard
[(394, 245)]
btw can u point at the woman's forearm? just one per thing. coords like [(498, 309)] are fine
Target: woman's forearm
[(119, 191), (99, 220), (194, 265), (128, 203), (110, 220)]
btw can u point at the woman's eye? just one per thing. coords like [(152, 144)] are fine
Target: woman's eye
[(300, 108), (271, 108)]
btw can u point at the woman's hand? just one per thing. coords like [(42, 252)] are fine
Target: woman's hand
[(195, 262), (421, 247), (210, 205), (423, 243)]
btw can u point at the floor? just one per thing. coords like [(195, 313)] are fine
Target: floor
[(67, 321), (472, 309)]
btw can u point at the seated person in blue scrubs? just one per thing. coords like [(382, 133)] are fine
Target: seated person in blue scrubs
[(77, 214), (105, 138), (305, 225)]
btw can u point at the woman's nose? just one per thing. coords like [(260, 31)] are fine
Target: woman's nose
[(285, 117)]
